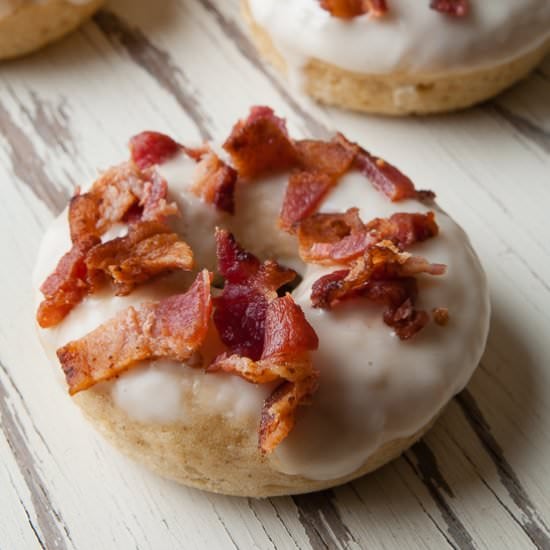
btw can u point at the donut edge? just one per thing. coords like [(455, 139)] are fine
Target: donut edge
[(213, 454), (398, 94), (33, 26)]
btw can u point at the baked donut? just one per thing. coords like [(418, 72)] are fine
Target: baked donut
[(26, 25), (399, 57), (270, 317)]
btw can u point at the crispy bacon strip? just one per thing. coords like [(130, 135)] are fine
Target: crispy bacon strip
[(260, 144), (249, 287), (66, 286), (347, 9), (340, 238), (149, 249), (288, 341), (456, 8), (173, 328), (384, 275), (384, 176), (214, 181), (322, 163), (150, 148)]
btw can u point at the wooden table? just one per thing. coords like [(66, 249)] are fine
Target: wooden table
[(480, 479)]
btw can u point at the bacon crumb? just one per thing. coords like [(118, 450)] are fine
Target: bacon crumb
[(214, 181), (457, 8), (150, 148), (260, 144), (441, 315), (173, 328)]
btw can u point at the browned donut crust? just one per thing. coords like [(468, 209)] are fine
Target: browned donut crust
[(399, 93)]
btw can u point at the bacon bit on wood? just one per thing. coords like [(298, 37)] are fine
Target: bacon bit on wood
[(174, 328), (260, 144), (288, 341)]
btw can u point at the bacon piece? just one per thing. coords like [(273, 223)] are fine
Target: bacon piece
[(288, 341), (66, 286), (214, 181), (329, 157), (384, 275), (323, 163), (304, 194), (173, 328), (153, 201), (249, 287), (456, 8), (148, 250), (260, 144), (347, 9), (150, 148), (340, 238), (385, 177)]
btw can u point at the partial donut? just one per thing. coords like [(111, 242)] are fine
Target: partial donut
[(270, 317), (27, 25), (408, 59)]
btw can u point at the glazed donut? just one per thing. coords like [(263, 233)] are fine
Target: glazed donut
[(399, 57), (26, 25), (270, 317)]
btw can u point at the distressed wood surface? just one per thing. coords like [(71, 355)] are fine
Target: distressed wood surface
[(480, 479)]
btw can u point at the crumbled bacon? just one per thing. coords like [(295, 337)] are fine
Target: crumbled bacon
[(457, 8), (151, 148), (149, 249), (330, 157), (249, 287), (346, 9), (441, 315), (340, 238), (260, 144), (66, 286), (122, 193), (214, 181), (173, 328), (385, 275), (288, 340)]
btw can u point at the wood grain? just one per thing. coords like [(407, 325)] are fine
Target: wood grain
[(480, 479)]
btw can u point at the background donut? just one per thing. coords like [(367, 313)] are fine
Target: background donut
[(26, 26), (398, 92)]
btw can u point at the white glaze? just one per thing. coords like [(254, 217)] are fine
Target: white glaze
[(412, 37), (374, 387)]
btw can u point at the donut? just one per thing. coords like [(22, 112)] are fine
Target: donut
[(26, 25), (266, 317), (400, 57)]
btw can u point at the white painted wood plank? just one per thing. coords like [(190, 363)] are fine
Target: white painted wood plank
[(490, 172)]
